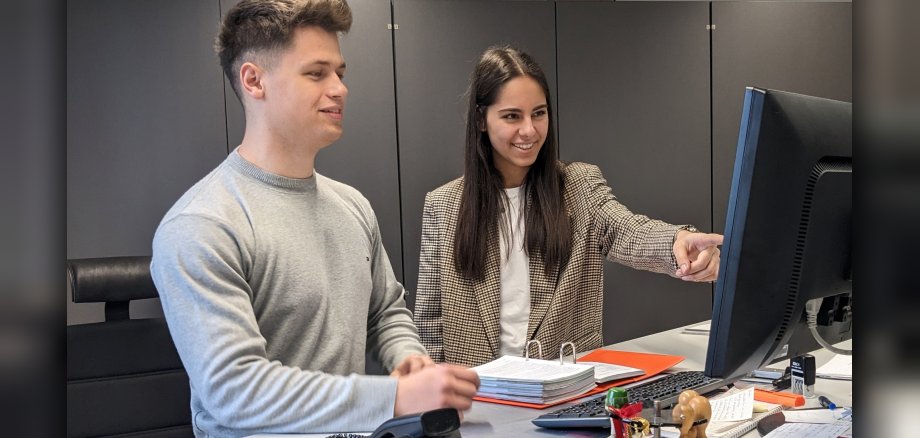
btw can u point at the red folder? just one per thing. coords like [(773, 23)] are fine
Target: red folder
[(652, 364)]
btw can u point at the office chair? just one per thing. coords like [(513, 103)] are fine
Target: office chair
[(124, 376)]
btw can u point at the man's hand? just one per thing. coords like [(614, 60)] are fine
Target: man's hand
[(697, 256), (434, 387), (411, 364)]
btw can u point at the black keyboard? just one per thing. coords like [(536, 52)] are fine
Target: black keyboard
[(591, 413)]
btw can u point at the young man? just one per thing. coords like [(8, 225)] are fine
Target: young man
[(273, 278)]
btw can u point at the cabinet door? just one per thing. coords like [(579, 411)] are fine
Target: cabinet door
[(800, 47), (437, 46), (145, 121), (634, 100), (366, 156)]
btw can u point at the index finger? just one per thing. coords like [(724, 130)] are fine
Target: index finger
[(704, 241)]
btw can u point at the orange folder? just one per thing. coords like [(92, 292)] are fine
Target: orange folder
[(652, 364)]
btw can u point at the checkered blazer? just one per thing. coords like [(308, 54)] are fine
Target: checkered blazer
[(458, 319)]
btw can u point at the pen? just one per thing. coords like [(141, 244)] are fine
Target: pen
[(827, 403)]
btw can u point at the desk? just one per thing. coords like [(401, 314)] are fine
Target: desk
[(496, 420), (493, 420)]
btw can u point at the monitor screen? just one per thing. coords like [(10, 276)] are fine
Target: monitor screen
[(787, 233)]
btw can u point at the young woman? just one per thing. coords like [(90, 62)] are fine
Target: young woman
[(514, 249)]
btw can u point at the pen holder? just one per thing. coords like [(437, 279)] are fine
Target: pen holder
[(693, 412)]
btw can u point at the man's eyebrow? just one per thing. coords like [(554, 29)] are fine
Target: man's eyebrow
[(325, 63)]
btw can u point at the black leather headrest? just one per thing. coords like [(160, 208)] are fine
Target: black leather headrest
[(111, 279)]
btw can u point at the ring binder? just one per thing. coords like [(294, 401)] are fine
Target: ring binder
[(531, 380), (645, 364), (527, 349), (562, 354), (540, 351)]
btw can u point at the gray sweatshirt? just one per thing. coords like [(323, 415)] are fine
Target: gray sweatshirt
[(274, 288)]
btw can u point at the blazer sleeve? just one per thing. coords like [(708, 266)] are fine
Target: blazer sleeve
[(428, 296), (624, 237)]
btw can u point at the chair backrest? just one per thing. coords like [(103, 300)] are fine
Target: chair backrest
[(124, 375)]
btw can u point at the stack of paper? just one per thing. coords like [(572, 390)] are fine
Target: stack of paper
[(840, 367), (606, 372), (699, 329), (533, 380)]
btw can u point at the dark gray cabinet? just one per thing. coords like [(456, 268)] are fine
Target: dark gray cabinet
[(145, 120), (800, 47), (437, 45), (634, 100)]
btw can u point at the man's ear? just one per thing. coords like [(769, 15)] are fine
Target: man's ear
[(251, 77)]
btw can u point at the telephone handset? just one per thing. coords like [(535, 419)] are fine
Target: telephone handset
[(439, 423)]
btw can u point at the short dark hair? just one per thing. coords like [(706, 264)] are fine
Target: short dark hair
[(547, 226), (262, 27)]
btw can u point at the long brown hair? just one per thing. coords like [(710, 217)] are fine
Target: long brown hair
[(547, 226)]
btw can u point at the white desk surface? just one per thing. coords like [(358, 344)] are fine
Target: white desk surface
[(495, 420)]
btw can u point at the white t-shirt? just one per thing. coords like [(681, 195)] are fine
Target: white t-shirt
[(515, 280)]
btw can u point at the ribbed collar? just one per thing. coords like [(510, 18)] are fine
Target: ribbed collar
[(295, 185)]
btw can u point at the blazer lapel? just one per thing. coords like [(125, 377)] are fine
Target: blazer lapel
[(488, 293), (542, 289)]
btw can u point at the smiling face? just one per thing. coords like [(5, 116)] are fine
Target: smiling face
[(304, 93), (517, 123)]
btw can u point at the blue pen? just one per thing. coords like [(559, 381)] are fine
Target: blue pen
[(827, 403)]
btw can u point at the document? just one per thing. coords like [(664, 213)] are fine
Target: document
[(810, 416), (818, 415), (699, 329), (652, 364), (840, 368), (538, 381), (306, 435), (514, 368), (736, 406), (605, 372), (796, 430)]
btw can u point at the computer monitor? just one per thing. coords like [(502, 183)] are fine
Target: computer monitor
[(787, 233)]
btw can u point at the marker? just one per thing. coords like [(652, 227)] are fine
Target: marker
[(827, 403)]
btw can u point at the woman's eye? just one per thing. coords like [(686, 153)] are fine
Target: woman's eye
[(315, 74), (539, 113), (510, 116)]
